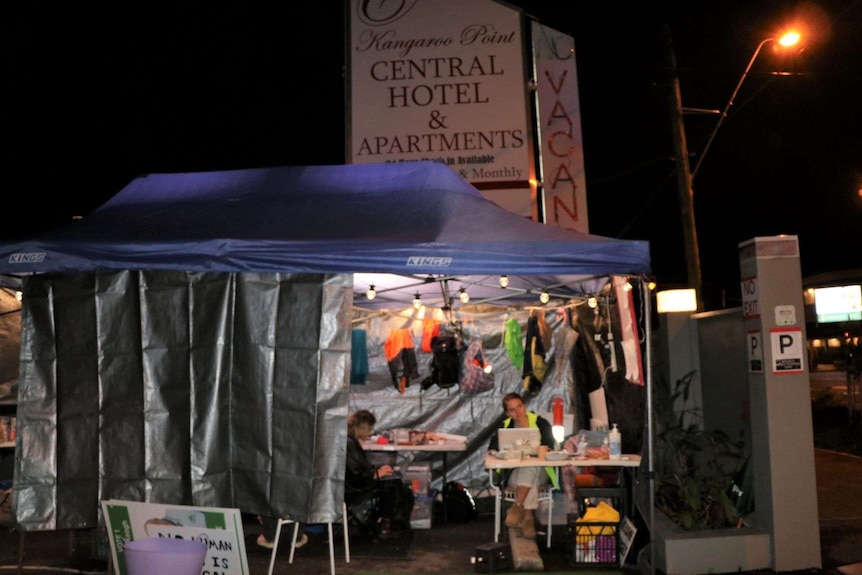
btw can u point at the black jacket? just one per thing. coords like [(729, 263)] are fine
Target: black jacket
[(359, 474)]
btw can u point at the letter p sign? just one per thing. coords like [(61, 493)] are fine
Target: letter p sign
[(755, 352), (787, 350)]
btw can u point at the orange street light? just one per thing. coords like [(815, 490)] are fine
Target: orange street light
[(790, 38)]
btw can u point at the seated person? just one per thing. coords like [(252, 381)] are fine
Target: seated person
[(362, 481), (525, 480)]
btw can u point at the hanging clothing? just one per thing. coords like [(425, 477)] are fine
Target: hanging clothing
[(534, 358), (544, 330), (629, 331), (512, 340), (430, 330), (565, 339), (358, 357), (401, 357)]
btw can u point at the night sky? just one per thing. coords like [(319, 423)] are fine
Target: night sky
[(95, 97)]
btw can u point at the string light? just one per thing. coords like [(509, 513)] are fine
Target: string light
[(417, 300), (593, 302), (544, 297), (504, 281), (371, 293), (463, 296)]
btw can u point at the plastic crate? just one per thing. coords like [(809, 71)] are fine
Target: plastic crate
[(417, 477), (615, 496), (423, 511), (594, 544)]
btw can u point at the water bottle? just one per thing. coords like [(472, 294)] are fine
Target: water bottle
[(616, 442)]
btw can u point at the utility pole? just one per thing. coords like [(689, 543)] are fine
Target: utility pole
[(683, 174)]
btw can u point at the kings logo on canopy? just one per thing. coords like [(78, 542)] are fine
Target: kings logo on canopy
[(439, 262)]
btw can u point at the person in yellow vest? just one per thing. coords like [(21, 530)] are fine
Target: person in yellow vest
[(525, 480)]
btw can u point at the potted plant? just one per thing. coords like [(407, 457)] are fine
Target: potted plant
[(696, 529), (694, 467)]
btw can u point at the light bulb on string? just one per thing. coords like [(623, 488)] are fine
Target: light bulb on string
[(371, 293), (417, 301), (463, 296), (592, 302), (544, 297), (504, 281)]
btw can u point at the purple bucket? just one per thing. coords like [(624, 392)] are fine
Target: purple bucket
[(155, 556)]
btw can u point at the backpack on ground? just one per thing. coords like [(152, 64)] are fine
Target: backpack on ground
[(460, 506)]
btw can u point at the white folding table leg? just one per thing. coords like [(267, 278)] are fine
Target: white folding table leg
[(331, 550), (498, 503), (293, 541), (277, 538), (346, 534)]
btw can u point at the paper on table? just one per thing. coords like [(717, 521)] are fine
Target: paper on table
[(449, 436)]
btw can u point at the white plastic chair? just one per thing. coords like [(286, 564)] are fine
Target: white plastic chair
[(296, 533), (546, 495)]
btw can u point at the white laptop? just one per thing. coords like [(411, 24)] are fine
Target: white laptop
[(526, 439)]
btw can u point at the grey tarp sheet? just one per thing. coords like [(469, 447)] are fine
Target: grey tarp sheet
[(207, 389)]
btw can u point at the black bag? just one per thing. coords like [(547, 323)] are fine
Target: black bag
[(460, 506), (445, 364)]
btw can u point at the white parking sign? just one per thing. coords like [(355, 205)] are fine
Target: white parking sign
[(755, 352), (787, 349)]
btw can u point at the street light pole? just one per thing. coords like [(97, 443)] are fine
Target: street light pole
[(788, 39), (685, 176), (727, 106)]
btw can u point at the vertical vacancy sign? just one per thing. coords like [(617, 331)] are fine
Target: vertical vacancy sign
[(442, 80), (564, 182)]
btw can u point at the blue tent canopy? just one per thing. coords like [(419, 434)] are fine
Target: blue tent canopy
[(407, 219), (204, 374)]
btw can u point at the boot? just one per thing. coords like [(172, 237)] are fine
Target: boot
[(515, 514), (385, 529), (528, 528)]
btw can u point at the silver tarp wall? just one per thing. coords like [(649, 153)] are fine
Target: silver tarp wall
[(207, 389)]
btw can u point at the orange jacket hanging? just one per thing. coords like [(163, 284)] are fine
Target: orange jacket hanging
[(401, 357)]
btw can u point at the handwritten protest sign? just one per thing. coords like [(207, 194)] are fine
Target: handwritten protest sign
[(219, 529)]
